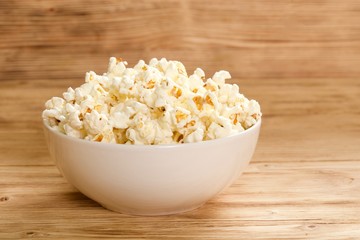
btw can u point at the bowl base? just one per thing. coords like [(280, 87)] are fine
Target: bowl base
[(158, 212)]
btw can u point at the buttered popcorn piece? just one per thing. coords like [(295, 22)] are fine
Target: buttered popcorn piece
[(154, 103)]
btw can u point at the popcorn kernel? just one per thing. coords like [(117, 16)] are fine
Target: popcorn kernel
[(190, 124), (150, 84), (209, 101), (233, 118), (179, 115), (198, 100), (176, 92), (210, 87), (98, 138), (177, 137)]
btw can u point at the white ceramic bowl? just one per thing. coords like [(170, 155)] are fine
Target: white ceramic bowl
[(152, 180)]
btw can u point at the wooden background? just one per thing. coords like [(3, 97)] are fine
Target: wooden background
[(300, 59)]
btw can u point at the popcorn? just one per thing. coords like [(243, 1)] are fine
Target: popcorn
[(69, 96), (195, 136), (219, 77), (154, 103), (95, 122)]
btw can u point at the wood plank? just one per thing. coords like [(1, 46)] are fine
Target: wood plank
[(274, 39), (271, 207)]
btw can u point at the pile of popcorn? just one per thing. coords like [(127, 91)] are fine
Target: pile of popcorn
[(154, 103)]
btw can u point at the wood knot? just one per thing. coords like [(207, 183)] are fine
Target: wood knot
[(312, 226), (31, 233), (4, 199)]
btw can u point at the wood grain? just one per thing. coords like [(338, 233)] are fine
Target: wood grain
[(300, 59)]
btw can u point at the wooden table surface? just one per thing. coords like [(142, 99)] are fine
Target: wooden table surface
[(299, 59)]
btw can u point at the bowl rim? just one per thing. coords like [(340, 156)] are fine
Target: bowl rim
[(158, 146)]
